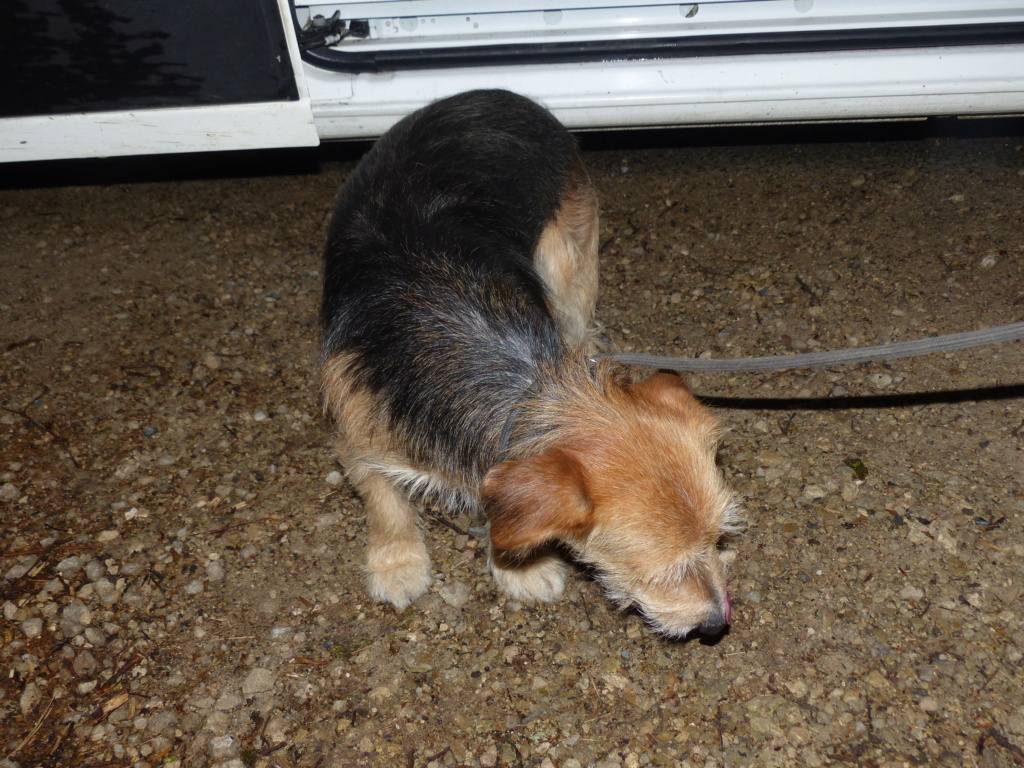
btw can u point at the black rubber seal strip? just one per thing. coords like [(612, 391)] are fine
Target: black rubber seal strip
[(817, 41)]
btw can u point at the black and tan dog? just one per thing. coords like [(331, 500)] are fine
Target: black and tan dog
[(459, 292)]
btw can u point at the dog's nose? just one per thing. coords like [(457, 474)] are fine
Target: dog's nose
[(713, 625), (717, 619)]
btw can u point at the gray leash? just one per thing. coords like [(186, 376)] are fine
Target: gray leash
[(929, 346)]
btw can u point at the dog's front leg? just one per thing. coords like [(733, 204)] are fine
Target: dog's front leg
[(537, 575)]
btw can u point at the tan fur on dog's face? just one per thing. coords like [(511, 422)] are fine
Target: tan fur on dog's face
[(634, 491)]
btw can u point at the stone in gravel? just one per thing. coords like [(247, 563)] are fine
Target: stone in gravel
[(69, 566), (418, 660), (928, 704), (215, 571), (194, 587), (258, 680), (850, 491), (32, 627), (815, 492), (334, 478), (163, 722), (105, 536), (910, 592), (228, 701), (85, 664), (455, 593), (277, 730), (260, 416), (379, 694), (19, 569), (223, 748), (9, 492), (876, 680), (30, 698), (105, 591), (328, 520), (94, 570), (74, 618)]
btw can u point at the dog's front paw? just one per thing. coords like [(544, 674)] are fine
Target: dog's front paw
[(541, 578), (398, 578)]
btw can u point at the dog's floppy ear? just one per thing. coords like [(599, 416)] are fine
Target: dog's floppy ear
[(530, 501)]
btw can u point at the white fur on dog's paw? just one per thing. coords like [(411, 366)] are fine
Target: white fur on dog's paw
[(540, 579), (399, 580)]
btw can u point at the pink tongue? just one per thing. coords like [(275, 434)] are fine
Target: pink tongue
[(728, 608)]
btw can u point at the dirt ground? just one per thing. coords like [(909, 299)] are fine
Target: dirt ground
[(181, 558)]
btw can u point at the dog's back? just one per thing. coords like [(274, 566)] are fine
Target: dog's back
[(430, 286)]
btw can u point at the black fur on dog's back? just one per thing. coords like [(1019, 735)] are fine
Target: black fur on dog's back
[(429, 284)]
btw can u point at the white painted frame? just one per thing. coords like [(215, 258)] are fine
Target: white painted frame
[(166, 130)]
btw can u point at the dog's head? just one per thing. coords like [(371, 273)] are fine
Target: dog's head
[(632, 488)]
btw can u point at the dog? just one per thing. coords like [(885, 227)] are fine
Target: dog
[(460, 284)]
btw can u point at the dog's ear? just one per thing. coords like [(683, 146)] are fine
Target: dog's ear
[(666, 389), (530, 501)]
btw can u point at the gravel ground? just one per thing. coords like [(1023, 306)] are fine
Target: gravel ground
[(181, 557)]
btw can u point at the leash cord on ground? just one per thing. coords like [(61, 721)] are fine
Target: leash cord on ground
[(997, 335)]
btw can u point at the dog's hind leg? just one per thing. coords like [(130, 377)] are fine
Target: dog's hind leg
[(566, 260), (397, 563)]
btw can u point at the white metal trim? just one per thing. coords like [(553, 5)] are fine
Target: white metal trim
[(729, 89)]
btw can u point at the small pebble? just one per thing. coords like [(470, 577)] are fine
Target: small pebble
[(334, 478), (215, 571), (20, 568), (260, 416), (223, 748), (911, 592), (105, 591), (259, 680), (928, 704), (76, 612), (815, 492), (30, 698), (455, 593), (32, 627)]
